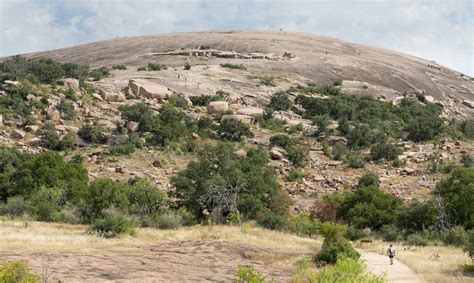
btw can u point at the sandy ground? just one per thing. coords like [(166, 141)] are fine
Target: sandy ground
[(380, 265)]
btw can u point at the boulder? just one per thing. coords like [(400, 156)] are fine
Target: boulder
[(241, 118), (132, 126), (156, 163), (430, 99), (10, 85), (250, 111), (17, 134), (407, 171), (71, 129), (217, 107), (468, 103), (32, 128), (275, 154), (238, 154), (69, 82), (107, 124), (53, 114), (148, 89), (112, 96)]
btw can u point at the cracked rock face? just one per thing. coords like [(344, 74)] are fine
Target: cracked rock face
[(365, 70)]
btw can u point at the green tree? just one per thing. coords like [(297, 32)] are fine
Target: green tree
[(233, 130), (417, 217), (457, 193), (280, 101)]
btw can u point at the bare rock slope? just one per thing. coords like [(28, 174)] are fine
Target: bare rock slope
[(365, 70)]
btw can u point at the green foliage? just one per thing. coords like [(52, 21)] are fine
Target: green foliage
[(93, 133), (125, 148), (369, 179), (16, 105), (168, 220), (467, 128), (417, 217), (248, 274), (322, 123), (339, 150), (119, 67), (234, 66), (99, 73), (385, 151), (417, 239), (248, 180), (456, 236), (187, 66), (112, 226), (280, 101), (272, 124), (145, 198), (354, 234), (467, 160), (295, 174), (233, 130), (346, 270), (390, 233), (303, 224), (15, 206), (283, 141), (469, 249), (156, 67), (355, 160), (457, 193), (335, 245), (267, 81), (328, 90), (45, 204), (369, 207), (66, 108), (50, 138), (296, 156), (326, 149), (16, 271), (204, 100)]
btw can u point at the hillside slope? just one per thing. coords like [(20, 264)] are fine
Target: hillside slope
[(365, 69)]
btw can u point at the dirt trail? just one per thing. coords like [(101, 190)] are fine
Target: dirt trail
[(186, 261), (398, 272)]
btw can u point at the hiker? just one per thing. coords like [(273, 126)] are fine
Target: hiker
[(391, 253)]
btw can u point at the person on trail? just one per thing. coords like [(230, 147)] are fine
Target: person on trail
[(391, 254)]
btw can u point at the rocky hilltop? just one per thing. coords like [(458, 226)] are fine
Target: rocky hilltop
[(365, 70)]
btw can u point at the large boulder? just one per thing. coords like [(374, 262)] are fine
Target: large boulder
[(112, 96), (276, 154), (250, 111), (468, 103), (17, 134), (148, 89), (69, 82), (53, 114), (241, 118), (9, 85), (217, 107)]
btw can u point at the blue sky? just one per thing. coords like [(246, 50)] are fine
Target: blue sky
[(436, 30)]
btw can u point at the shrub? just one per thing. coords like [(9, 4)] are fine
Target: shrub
[(369, 179), (390, 233), (369, 207), (338, 151), (272, 124), (248, 274), (456, 236), (282, 141), (233, 66), (457, 193), (112, 226), (326, 149), (145, 197), (384, 151), (416, 240), (156, 67), (467, 128), (296, 156), (417, 217), (322, 122), (267, 81), (233, 130), (119, 67), (125, 148), (66, 108), (355, 160), (295, 174), (280, 101), (469, 249), (303, 224), (99, 73), (93, 133), (467, 160), (46, 203), (49, 138), (17, 271), (187, 66), (15, 206), (169, 220), (354, 234), (270, 220), (335, 245)]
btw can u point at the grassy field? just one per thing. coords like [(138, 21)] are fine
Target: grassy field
[(433, 263)]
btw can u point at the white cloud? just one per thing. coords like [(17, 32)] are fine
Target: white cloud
[(435, 30)]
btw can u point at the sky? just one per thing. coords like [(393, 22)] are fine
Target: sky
[(442, 31)]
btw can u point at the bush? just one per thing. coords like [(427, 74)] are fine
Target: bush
[(417, 217), (156, 67), (280, 101), (469, 249), (248, 274), (457, 193), (354, 234), (15, 206), (112, 226), (417, 240), (295, 174), (369, 179), (303, 224), (390, 233), (335, 245), (233, 66), (385, 151), (119, 67), (145, 197), (270, 220), (296, 156), (233, 130), (355, 160), (187, 66), (369, 207), (467, 128), (66, 108), (93, 133), (17, 271), (282, 141), (322, 122), (467, 160), (345, 270), (99, 73), (169, 220), (338, 151), (50, 139), (45, 204), (456, 236)]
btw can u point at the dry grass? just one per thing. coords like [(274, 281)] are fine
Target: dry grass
[(433, 263), (55, 237)]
